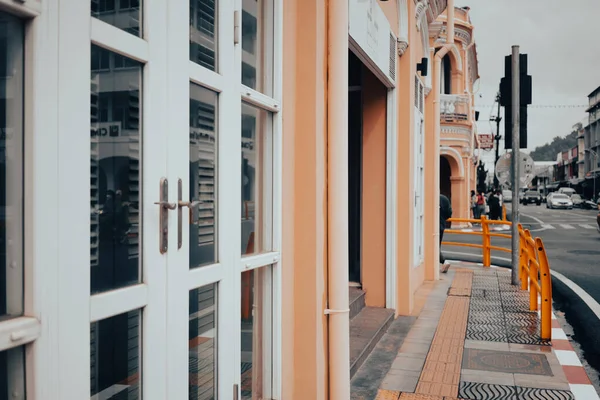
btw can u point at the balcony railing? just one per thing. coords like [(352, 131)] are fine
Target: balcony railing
[(454, 107)]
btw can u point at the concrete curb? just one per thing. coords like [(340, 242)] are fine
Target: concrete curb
[(579, 382)]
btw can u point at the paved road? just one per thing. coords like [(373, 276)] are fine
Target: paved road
[(573, 246)]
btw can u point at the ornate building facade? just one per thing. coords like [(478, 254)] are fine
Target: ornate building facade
[(458, 129)]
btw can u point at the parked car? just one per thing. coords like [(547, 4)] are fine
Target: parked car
[(559, 200), (507, 196), (532, 196), (598, 217), (566, 190), (577, 200)]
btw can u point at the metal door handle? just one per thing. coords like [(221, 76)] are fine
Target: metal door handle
[(192, 205), (193, 212), (165, 206)]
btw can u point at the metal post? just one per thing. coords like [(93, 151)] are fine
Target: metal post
[(516, 145), (498, 119)]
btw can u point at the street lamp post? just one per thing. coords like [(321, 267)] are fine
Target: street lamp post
[(593, 153)]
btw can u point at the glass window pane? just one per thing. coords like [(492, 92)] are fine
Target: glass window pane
[(123, 14), (11, 166), (257, 45), (256, 346), (12, 374), (203, 172), (115, 175), (256, 180), (203, 33), (202, 343), (115, 357)]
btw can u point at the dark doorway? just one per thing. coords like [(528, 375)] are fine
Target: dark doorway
[(445, 174), (354, 165)]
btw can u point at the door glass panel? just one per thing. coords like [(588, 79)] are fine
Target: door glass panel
[(12, 374), (257, 314), (203, 172), (257, 45), (11, 166), (115, 171), (256, 183), (115, 357), (203, 33), (123, 14), (202, 343)]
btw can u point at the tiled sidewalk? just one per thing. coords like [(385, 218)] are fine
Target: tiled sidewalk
[(475, 339)]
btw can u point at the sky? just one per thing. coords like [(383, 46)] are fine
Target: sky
[(561, 40)]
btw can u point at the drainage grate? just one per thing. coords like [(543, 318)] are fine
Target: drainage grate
[(484, 391), (543, 394)]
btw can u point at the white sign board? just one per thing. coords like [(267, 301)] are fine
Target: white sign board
[(526, 169), (370, 29), (486, 141)]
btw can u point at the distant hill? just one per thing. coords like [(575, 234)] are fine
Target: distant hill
[(559, 144)]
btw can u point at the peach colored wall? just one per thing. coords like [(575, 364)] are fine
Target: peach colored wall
[(373, 190), (408, 276), (390, 9), (304, 272)]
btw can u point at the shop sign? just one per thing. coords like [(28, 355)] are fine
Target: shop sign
[(371, 31), (486, 141)]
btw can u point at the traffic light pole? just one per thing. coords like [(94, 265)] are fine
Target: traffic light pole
[(516, 145), (497, 137)]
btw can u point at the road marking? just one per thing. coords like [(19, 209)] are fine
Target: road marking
[(567, 226), (539, 221), (548, 226), (476, 255), (587, 226), (583, 295)]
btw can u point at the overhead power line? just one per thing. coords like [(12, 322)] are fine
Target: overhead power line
[(549, 106)]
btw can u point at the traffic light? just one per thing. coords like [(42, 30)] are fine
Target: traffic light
[(525, 97)]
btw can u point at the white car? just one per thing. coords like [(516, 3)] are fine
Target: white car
[(507, 196), (559, 200)]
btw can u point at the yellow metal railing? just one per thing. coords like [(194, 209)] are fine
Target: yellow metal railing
[(534, 269)]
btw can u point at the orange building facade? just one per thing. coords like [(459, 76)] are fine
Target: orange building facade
[(364, 140), (459, 73)]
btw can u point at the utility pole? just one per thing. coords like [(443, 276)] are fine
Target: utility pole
[(497, 137), (516, 146)]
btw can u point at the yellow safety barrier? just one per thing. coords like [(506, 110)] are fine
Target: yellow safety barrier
[(534, 269), (534, 273)]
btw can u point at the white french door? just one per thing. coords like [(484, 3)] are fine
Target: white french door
[(185, 137)]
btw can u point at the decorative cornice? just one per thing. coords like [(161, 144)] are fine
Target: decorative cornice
[(460, 33), (402, 46), (456, 130), (420, 12)]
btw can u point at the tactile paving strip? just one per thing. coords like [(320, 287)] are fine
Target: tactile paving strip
[(543, 394), (484, 391)]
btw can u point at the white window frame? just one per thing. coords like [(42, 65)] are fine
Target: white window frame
[(419, 176), (273, 186)]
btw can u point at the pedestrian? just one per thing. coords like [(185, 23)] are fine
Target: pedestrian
[(473, 203), (480, 203), (495, 208), (445, 214)]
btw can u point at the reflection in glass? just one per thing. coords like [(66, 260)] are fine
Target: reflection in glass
[(11, 166), (203, 33), (255, 173), (115, 357), (123, 14), (12, 374), (202, 343), (257, 45), (115, 172), (203, 171), (257, 314)]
